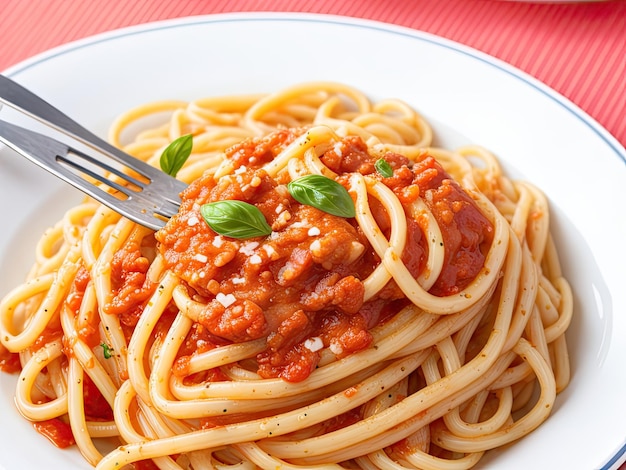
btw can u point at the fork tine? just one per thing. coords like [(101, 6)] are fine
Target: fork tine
[(168, 209), (148, 205), (106, 167), (96, 176)]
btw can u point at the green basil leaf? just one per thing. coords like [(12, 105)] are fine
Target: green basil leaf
[(322, 193), (384, 168), (235, 219), (107, 352), (176, 154)]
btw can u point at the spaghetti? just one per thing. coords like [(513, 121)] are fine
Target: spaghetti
[(421, 332)]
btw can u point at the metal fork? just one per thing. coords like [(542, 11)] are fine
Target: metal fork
[(144, 194)]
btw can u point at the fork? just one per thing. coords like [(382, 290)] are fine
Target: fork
[(142, 193)]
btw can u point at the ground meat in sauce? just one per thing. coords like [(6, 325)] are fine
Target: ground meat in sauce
[(466, 231), (131, 289), (302, 284)]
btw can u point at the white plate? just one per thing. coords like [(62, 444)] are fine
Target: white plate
[(470, 97)]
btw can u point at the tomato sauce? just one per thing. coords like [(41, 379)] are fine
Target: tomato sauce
[(144, 465), (96, 407), (86, 323), (129, 283), (52, 332), (56, 431), (466, 231), (9, 362), (301, 286), (198, 341), (59, 432)]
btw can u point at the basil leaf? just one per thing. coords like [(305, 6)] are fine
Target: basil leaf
[(322, 193), (235, 219), (176, 154), (384, 168), (107, 352)]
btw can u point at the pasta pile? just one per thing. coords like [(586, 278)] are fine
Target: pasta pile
[(444, 376)]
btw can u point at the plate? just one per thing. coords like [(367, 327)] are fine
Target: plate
[(468, 96)]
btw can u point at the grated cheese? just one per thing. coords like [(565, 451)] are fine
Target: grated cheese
[(225, 299), (338, 149), (316, 247), (335, 348), (300, 224), (314, 344), (248, 248), (269, 249), (200, 257)]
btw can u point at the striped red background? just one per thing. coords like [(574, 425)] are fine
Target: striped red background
[(577, 48)]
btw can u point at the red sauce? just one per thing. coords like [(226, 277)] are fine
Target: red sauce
[(466, 231), (96, 407), (198, 341), (130, 285), (297, 285), (9, 362), (144, 465), (86, 323), (52, 332), (57, 431), (77, 291)]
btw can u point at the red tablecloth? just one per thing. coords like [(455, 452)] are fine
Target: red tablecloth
[(576, 48)]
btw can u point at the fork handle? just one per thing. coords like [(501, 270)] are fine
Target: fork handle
[(15, 95), (27, 102)]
